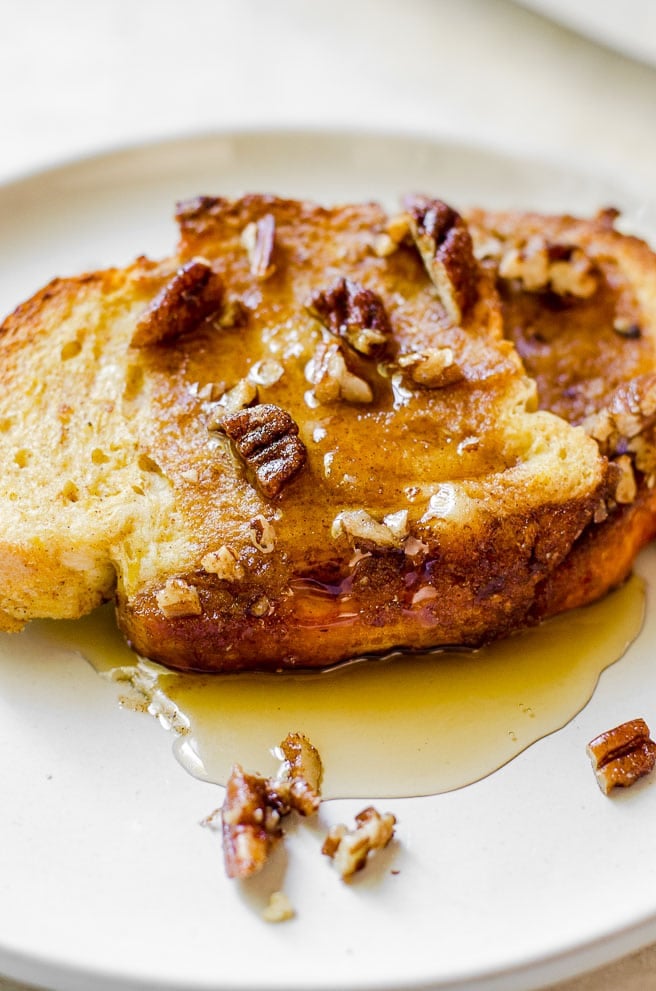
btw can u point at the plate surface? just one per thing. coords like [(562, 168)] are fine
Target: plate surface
[(629, 27), (108, 882)]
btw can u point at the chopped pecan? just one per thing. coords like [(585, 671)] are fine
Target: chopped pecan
[(266, 437), (622, 755), (357, 314), (563, 268), (242, 395), (298, 784), (258, 239), (332, 378), (433, 368), (445, 245), (367, 532), (233, 313), (254, 805), (627, 328), (251, 824), (178, 598), (223, 563), (630, 412), (349, 849), (193, 294), (626, 488), (262, 534), (279, 908)]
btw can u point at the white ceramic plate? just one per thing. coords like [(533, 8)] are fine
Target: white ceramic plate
[(107, 880), (629, 27)]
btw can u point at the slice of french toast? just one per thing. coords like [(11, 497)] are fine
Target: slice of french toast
[(300, 439), (579, 303)]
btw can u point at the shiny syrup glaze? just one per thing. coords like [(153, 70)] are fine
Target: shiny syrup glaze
[(402, 726)]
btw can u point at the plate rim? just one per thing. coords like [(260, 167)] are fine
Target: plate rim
[(636, 934)]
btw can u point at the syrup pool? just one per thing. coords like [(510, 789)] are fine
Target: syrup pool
[(404, 726)]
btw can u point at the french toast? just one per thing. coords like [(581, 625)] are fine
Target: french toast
[(300, 439), (579, 303)]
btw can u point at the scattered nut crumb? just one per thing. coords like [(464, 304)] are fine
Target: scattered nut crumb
[(298, 782), (333, 380), (254, 806), (262, 534), (177, 599), (223, 563), (622, 755), (626, 489), (349, 849), (563, 268), (368, 532), (279, 908), (432, 368), (258, 239), (241, 396), (233, 313)]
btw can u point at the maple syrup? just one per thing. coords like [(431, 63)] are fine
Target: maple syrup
[(403, 726)]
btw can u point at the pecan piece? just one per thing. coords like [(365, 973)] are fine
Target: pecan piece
[(254, 805), (332, 378), (250, 823), (258, 239), (432, 368), (622, 755), (366, 532), (563, 268), (349, 849), (177, 598), (357, 314), (266, 437), (194, 293), (445, 245), (298, 783)]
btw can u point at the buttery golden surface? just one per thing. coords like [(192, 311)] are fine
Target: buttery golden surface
[(423, 513), (589, 355)]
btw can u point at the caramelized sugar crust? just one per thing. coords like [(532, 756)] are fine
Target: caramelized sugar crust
[(281, 484), (593, 357)]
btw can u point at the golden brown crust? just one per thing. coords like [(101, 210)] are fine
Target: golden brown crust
[(594, 361), (430, 506)]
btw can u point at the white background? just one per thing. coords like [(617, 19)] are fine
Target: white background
[(79, 77)]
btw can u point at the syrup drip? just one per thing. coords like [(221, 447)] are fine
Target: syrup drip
[(404, 726)]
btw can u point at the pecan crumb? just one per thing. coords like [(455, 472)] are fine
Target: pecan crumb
[(445, 245), (266, 438), (298, 782), (395, 233), (251, 824), (622, 755), (349, 849), (178, 598), (223, 563), (627, 328), (258, 239), (254, 805), (279, 908), (626, 488), (368, 533), (242, 395), (432, 368), (563, 268), (262, 534), (194, 293), (357, 314), (333, 380)]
